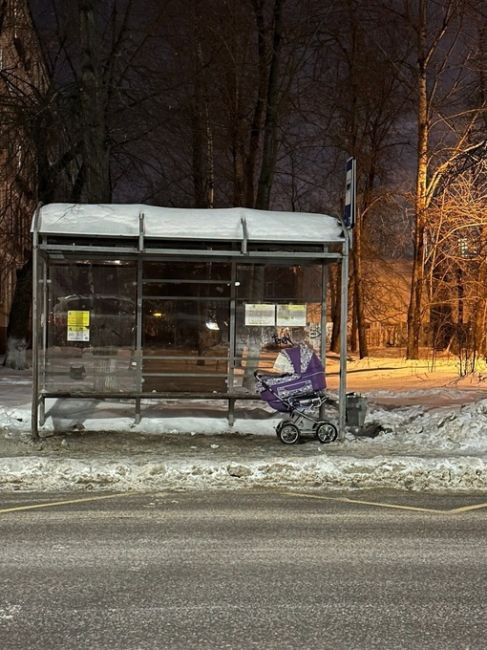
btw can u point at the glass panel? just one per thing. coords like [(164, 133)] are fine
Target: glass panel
[(188, 341), (187, 289), (91, 327), (186, 312), (277, 307), (256, 282), (187, 271)]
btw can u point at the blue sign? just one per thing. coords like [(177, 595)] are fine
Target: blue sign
[(350, 193)]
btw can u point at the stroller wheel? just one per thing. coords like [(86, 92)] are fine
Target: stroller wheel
[(326, 432), (288, 433)]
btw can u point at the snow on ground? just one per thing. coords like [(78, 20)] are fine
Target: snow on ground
[(434, 438)]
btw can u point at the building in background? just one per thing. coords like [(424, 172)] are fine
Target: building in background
[(23, 79)]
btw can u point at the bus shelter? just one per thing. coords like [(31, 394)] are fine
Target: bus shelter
[(140, 302)]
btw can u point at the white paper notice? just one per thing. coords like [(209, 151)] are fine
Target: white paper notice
[(260, 315), (291, 315)]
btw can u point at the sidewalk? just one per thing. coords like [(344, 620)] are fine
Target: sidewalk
[(435, 438)]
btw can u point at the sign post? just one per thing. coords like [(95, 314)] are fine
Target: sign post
[(349, 213), (350, 194)]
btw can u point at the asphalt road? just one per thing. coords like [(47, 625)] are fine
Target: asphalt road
[(242, 570)]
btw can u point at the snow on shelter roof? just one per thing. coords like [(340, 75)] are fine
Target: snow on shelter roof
[(221, 224)]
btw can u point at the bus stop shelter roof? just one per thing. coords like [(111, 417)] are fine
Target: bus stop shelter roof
[(219, 224)]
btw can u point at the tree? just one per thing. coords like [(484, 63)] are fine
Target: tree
[(26, 153), (444, 125), (66, 116), (94, 84), (457, 267), (359, 111)]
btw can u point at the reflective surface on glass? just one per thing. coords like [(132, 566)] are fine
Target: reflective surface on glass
[(90, 327), (189, 309), (258, 346), (186, 322)]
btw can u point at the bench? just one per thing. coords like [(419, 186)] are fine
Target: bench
[(231, 397)]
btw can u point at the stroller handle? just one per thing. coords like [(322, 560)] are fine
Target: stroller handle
[(259, 375)]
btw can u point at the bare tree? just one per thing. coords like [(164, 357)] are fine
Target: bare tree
[(360, 108), (445, 125), (94, 95), (61, 106), (457, 268), (26, 151)]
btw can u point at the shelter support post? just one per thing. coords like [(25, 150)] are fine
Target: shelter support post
[(139, 355), (42, 410), (44, 318), (35, 327), (342, 392), (231, 340), (324, 295), (231, 411)]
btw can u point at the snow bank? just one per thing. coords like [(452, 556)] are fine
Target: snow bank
[(147, 474), (421, 448), (458, 431), (414, 429)]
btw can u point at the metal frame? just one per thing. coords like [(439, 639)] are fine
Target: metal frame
[(138, 318), (342, 392), (35, 326), (143, 249)]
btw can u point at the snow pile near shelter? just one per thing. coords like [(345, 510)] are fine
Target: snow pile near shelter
[(459, 431), (434, 438), (13, 420), (440, 449), (323, 471)]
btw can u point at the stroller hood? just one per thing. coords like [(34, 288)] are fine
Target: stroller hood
[(302, 359), (308, 377)]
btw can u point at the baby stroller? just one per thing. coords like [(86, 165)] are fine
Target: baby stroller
[(299, 392)]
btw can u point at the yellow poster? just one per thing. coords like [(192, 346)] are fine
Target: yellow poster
[(78, 325)]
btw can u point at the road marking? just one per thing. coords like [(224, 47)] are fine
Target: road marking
[(375, 504), (475, 506), (52, 504), (380, 504)]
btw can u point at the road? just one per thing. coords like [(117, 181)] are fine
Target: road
[(242, 570)]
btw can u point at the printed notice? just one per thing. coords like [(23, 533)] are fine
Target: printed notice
[(78, 325), (291, 315), (260, 315)]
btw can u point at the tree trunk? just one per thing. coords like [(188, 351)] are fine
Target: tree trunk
[(415, 303), (238, 154), (197, 159), (269, 151), (335, 290), (95, 148), (18, 324), (256, 125), (358, 334), (43, 186), (358, 290), (358, 305)]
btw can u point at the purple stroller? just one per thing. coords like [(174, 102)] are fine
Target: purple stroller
[(299, 392)]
